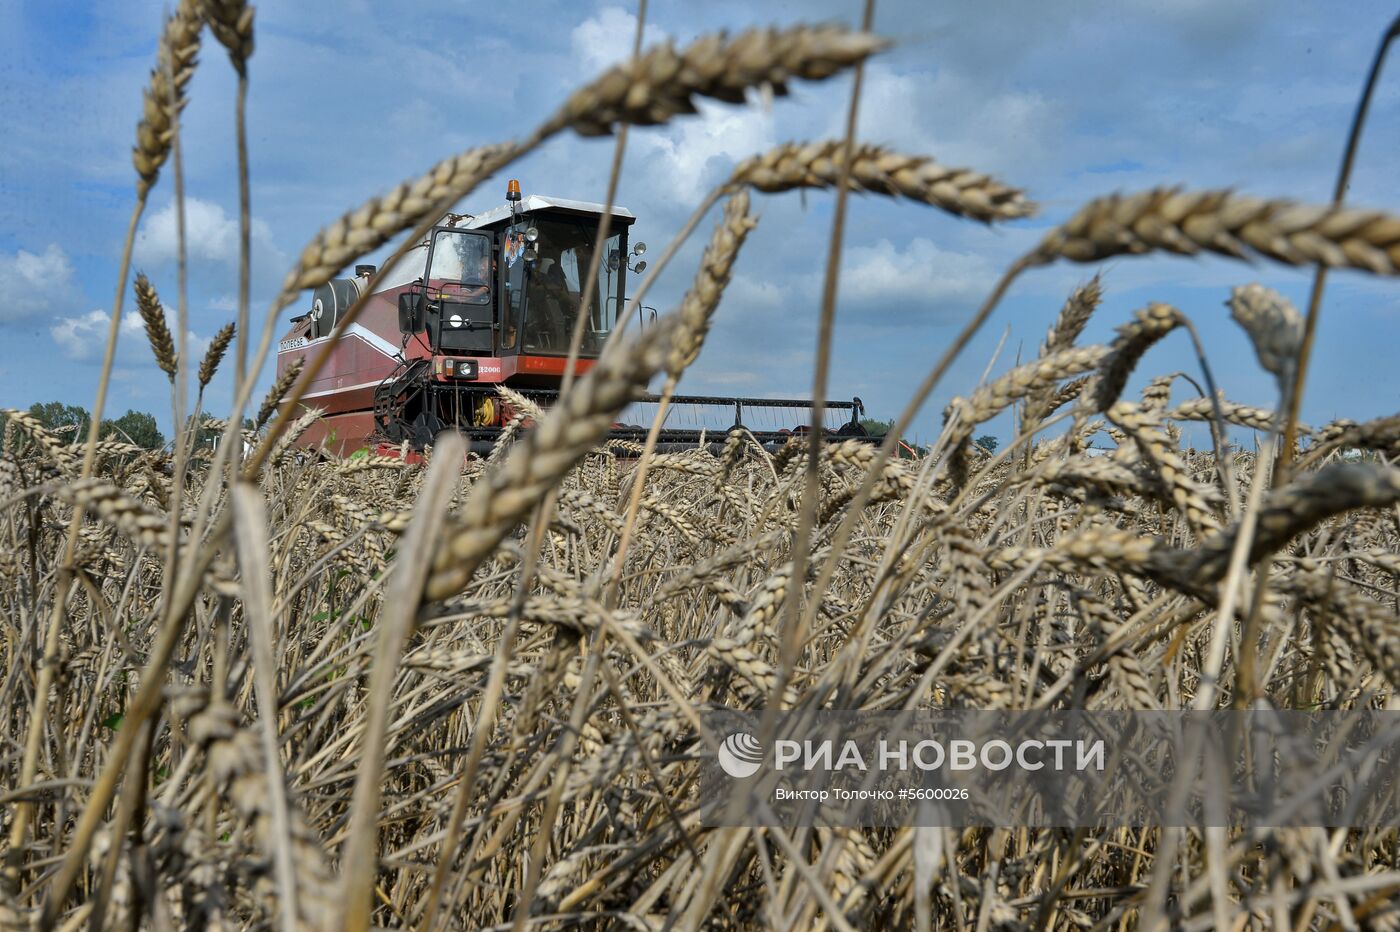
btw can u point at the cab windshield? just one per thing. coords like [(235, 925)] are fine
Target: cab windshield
[(552, 287), (460, 266)]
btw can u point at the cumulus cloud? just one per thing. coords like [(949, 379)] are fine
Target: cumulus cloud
[(751, 294), (606, 38), (958, 119), (84, 338), (211, 234), (673, 165), (689, 157), (904, 284), (31, 284)]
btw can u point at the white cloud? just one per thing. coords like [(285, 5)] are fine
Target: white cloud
[(922, 274), (84, 338), (692, 155), (750, 294), (957, 119), (607, 38), (32, 284), (211, 234)]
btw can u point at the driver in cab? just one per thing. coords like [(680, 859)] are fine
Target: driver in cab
[(463, 276)]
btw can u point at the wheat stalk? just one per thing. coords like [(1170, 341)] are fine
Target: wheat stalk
[(1056, 579)]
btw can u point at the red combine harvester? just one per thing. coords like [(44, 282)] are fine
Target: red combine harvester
[(491, 300)]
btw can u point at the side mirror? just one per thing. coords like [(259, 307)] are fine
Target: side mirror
[(411, 311)]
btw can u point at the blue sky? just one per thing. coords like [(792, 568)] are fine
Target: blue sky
[(1068, 100)]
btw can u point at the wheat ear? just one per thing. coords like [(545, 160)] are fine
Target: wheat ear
[(157, 332), (214, 355), (1191, 222), (1204, 409), (1274, 326), (1074, 316), (1021, 382), (176, 57), (1290, 511), (662, 83), (279, 389), (231, 22), (698, 306), (575, 425), (1380, 434), (959, 191), (1135, 338)]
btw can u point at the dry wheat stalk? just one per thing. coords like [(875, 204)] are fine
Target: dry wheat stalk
[(1381, 434), (1203, 409), (60, 453), (523, 406), (235, 761), (1073, 317), (300, 426), (1290, 511), (131, 517), (1084, 593)]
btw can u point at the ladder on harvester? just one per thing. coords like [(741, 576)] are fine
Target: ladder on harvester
[(393, 396)]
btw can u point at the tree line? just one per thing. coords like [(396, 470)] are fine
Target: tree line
[(72, 423), (878, 428)]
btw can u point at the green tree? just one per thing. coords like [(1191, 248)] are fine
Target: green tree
[(138, 427), (988, 443), (70, 421), (876, 427)]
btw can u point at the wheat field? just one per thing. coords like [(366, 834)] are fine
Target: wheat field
[(273, 690)]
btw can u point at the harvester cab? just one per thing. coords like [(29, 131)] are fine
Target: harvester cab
[(486, 300)]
